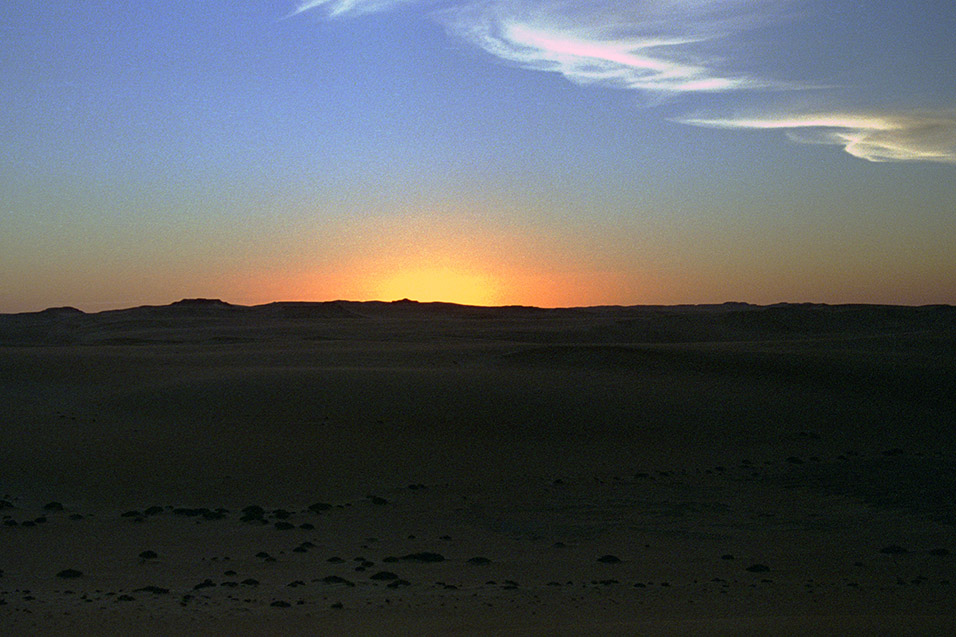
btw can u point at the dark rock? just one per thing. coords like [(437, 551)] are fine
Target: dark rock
[(130, 514), (939, 552), (281, 514), (319, 507), (280, 604), (337, 606), (52, 506), (76, 516), (335, 579), (153, 510), (758, 568), (335, 560), (284, 526), (391, 559), (252, 513), (148, 555), (424, 557), (609, 559), (191, 513), (399, 583), (374, 499), (384, 576), (306, 526), (726, 556), (206, 583), (156, 590), (5, 505), (69, 573), (479, 561), (263, 555), (125, 598)]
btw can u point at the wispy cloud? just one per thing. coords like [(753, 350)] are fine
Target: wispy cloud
[(651, 46), (874, 137), (337, 8), (664, 48)]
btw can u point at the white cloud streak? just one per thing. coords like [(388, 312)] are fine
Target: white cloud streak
[(873, 137), (653, 47), (667, 48), (337, 8)]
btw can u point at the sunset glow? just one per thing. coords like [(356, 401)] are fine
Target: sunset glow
[(534, 152), (439, 284)]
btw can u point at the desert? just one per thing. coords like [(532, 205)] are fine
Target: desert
[(426, 468)]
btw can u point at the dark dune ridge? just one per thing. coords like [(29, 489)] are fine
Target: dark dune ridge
[(604, 324), (429, 468)]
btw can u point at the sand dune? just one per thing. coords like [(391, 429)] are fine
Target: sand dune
[(287, 468)]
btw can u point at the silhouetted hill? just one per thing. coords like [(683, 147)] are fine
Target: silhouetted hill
[(204, 320)]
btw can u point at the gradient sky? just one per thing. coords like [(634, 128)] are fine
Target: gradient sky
[(479, 151)]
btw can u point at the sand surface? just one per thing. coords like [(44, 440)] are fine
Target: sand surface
[(433, 469)]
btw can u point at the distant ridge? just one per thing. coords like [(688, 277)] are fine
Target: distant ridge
[(194, 320)]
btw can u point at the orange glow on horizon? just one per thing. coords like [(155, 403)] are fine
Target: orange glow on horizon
[(448, 259), (439, 284)]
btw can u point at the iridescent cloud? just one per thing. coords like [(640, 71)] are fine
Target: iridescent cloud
[(874, 137), (645, 46)]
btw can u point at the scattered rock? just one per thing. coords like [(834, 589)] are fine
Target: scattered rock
[(252, 513), (335, 579), (384, 576), (70, 573), (424, 557)]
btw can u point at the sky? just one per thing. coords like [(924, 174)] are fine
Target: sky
[(490, 152)]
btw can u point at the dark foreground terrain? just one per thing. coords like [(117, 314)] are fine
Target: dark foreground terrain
[(406, 468)]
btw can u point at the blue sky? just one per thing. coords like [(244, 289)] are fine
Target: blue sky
[(502, 151)]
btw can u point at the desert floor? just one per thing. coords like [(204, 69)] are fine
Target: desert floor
[(405, 469)]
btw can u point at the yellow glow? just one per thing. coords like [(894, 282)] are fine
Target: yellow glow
[(439, 284)]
